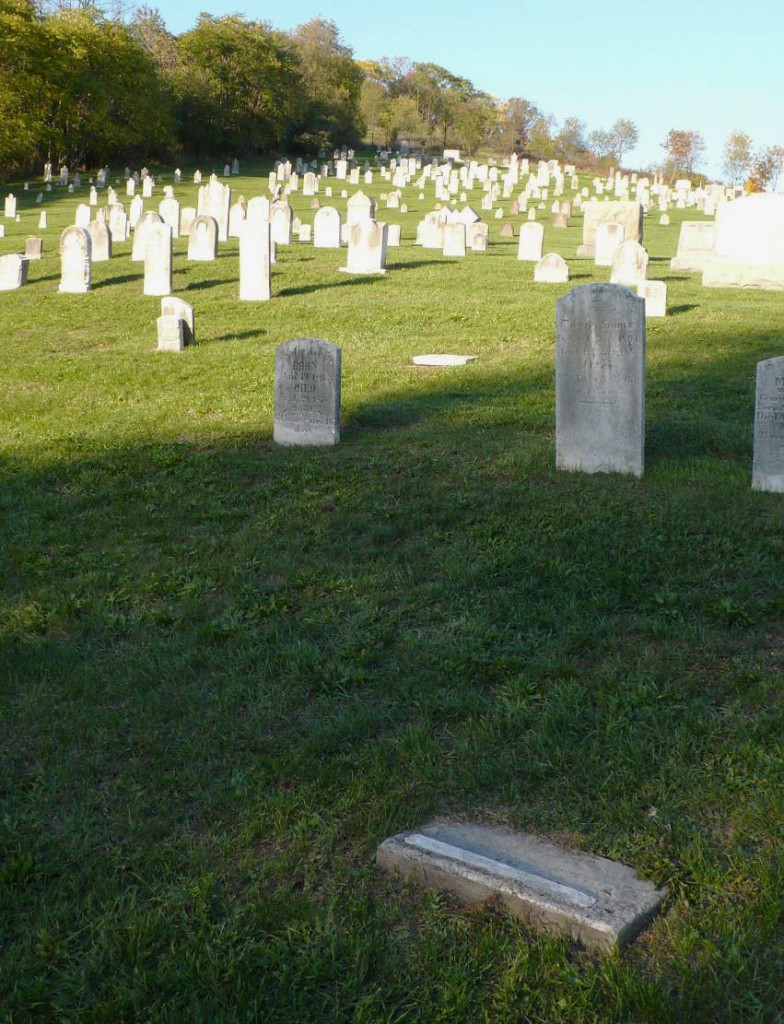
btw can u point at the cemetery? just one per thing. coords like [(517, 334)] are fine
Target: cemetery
[(391, 622)]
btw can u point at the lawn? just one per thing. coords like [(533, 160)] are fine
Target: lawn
[(229, 669)]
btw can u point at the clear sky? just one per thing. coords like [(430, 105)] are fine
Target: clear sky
[(707, 65)]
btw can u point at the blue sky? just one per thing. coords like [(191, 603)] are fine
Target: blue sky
[(709, 67)]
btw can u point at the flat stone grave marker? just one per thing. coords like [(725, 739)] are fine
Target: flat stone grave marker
[(600, 380), (442, 359), (599, 903), (768, 465), (307, 392)]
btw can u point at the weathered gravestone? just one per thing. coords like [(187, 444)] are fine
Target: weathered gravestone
[(360, 207), (187, 217), (695, 245), (34, 248), (214, 200), (628, 213), (608, 240), (75, 260), (367, 248), (599, 903), (307, 392), (768, 466), (237, 216), (146, 222), (326, 228), (203, 239), (655, 295), (169, 210), (630, 264), (281, 222), (255, 259), (454, 239), (118, 225), (551, 269), (13, 271), (171, 333), (158, 260), (101, 241), (749, 247), (172, 306), (530, 242), (10, 206), (600, 380)]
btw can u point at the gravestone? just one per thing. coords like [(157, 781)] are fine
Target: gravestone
[(146, 221), (43, 221), (326, 228), (255, 259), (307, 392), (258, 209), (118, 225), (360, 207), (34, 248), (749, 248), (599, 903), (158, 260), (530, 242), (600, 380), (454, 239), (696, 242), (75, 260), (172, 306), (281, 222), (367, 248), (203, 239), (768, 465), (655, 295), (551, 269), (187, 217), (13, 271), (100, 241), (628, 213), (630, 265), (169, 210), (608, 240), (477, 236), (214, 201), (135, 211), (83, 215), (171, 333), (393, 235), (237, 215)]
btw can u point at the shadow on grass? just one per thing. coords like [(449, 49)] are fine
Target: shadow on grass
[(196, 286), (119, 279), (240, 335), (685, 308)]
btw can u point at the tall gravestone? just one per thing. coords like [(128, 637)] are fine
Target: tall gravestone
[(75, 260), (326, 228), (255, 258), (367, 248), (600, 380), (203, 239), (768, 467), (307, 392), (158, 260), (530, 242)]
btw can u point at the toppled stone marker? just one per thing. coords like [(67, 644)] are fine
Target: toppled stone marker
[(597, 902), (445, 359)]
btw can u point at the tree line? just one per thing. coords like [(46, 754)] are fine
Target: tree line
[(88, 82)]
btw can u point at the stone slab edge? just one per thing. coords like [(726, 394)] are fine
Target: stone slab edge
[(622, 902)]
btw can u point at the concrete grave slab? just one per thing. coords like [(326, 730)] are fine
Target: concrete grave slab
[(597, 902)]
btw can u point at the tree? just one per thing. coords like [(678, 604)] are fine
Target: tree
[(23, 89), (624, 136), (570, 143), (331, 84), (239, 86), (765, 168), (683, 151), (737, 156), (518, 117)]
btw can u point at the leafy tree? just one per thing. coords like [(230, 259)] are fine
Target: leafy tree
[(624, 136), (737, 156), (683, 152), (602, 143), (518, 118), (765, 168), (331, 84), (238, 86), (22, 86), (570, 143)]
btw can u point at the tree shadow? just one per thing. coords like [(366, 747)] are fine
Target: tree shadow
[(685, 308), (119, 279), (240, 335), (200, 285)]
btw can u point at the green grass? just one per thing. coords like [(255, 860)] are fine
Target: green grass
[(230, 669)]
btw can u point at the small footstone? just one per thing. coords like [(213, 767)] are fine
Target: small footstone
[(597, 902), (443, 360)]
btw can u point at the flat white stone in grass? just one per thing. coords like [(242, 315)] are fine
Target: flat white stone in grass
[(597, 902), (442, 359)]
